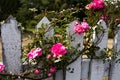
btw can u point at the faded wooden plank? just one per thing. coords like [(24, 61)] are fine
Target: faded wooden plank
[(76, 66), (106, 68), (50, 31), (85, 68), (101, 39), (59, 75), (96, 70), (115, 66), (97, 66), (11, 46)]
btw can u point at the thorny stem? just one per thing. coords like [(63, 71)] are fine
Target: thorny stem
[(20, 75)]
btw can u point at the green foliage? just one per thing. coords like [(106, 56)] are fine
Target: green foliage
[(113, 12), (30, 9), (8, 7)]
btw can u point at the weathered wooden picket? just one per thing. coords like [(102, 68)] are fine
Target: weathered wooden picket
[(84, 69)]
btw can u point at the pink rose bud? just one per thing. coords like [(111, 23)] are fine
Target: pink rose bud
[(76, 23), (36, 72), (50, 75), (117, 20), (49, 56), (54, 56)]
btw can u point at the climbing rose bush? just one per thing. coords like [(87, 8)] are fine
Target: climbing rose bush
[(47, 55), (55, 53), (2, 66)]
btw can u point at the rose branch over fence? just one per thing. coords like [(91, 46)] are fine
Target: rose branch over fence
[(83, 69)]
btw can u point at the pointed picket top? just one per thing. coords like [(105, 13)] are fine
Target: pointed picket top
[(97, 66), (115, 66), (85, 68), (44, 20), (101, 39), (9, 19), (75, 66), (76, 38), (116, 47), (46, 23)]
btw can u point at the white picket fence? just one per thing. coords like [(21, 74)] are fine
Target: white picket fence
[(84, 69)]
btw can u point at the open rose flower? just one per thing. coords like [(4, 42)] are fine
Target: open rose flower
[(79, 29), (34, 53), (58, 49), (38, 51), (96, 4), (92, 5), (2, 67)]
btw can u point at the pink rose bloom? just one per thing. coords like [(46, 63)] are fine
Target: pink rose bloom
[(2, 67), (85, 25), (101, 4), (52, 69), (58, 49), (97, 4), (92, 5), (31, 54), (78, 29), (95, 1), (34, 53), (38, 51)]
